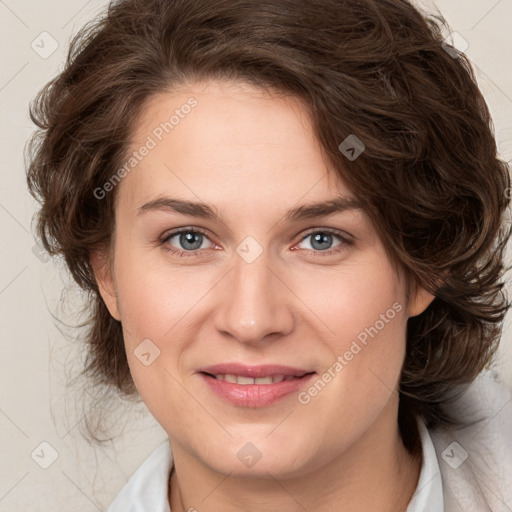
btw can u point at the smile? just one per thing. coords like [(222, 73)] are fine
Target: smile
[(255, 392), (240, 379)]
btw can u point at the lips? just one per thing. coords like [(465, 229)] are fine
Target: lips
[(254, 386)]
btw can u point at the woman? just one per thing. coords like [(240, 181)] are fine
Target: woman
[(321, 343)]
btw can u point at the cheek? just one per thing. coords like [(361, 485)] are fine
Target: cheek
[(158, 303), (362, 311), (151, 305), (354, 297), (153, 298)]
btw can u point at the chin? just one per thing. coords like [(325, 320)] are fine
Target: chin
[(266, 468), (259, 458)]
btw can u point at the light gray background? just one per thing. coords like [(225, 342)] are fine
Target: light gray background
[(36, 359)]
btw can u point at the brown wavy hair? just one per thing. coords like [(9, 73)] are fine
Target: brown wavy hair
[(430, 175)]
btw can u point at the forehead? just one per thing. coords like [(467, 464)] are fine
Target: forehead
[(228, 141)]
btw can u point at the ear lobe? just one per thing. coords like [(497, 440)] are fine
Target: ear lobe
[(421, 298), (419, 301), (100, 262)]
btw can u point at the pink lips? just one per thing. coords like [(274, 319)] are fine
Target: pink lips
[(254, 395)]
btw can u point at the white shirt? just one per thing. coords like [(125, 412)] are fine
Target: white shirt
[(447, 482), (428, 496), (146, 490)]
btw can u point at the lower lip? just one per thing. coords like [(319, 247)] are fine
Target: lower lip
[(255, 395)]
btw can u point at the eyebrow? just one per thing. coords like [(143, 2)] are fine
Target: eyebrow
[(303, 212)]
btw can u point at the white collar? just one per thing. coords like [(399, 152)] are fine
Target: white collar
[(428, 496), (146, 490)]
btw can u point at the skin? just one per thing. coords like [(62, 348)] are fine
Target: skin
[(253, 156)]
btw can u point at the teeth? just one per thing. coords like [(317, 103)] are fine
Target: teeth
[(264, 380), (245, 380), (271, 379)]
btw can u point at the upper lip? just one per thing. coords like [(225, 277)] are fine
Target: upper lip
[(253, 371)]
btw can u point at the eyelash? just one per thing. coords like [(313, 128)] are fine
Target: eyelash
[(345, 242)]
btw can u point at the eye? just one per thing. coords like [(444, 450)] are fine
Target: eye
[(189, 241), (322, 240)]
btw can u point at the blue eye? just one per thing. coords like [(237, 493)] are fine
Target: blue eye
[(322, 240), (191, 240)]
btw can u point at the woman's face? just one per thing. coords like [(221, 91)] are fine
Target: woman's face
[(256, 278)]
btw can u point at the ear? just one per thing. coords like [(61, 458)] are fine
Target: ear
[(420, 298), (419, 301), (101, 264)]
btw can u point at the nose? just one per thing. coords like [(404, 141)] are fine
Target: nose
[(255, 302)]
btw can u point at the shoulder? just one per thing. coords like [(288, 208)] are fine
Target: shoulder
[(475, 460)]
